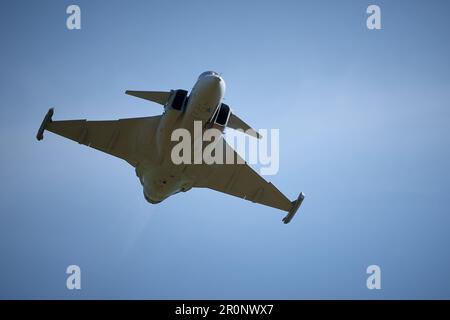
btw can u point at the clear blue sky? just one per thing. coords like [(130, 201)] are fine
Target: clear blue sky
[(364, 119)]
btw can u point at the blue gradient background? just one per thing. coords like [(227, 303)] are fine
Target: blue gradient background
[(364, 132)]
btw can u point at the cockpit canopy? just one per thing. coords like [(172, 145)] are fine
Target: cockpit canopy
[(209, 73)]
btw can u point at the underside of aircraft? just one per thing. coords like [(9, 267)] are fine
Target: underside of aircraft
[(145, 143)]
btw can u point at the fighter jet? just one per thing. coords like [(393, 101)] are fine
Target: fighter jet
[(146, 144)]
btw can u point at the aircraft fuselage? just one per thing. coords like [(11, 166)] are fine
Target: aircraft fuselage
[(160, 177)]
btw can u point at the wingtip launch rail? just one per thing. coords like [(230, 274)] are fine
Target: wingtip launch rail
[(45, 122), (295, 206)]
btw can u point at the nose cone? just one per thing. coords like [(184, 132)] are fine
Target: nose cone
[(214, 83), (222, 85)]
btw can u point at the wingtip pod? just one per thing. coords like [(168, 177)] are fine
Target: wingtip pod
[(295, 206), (45, 122)]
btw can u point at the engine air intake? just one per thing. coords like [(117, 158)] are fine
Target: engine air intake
[(179, 99), (222, 115)]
